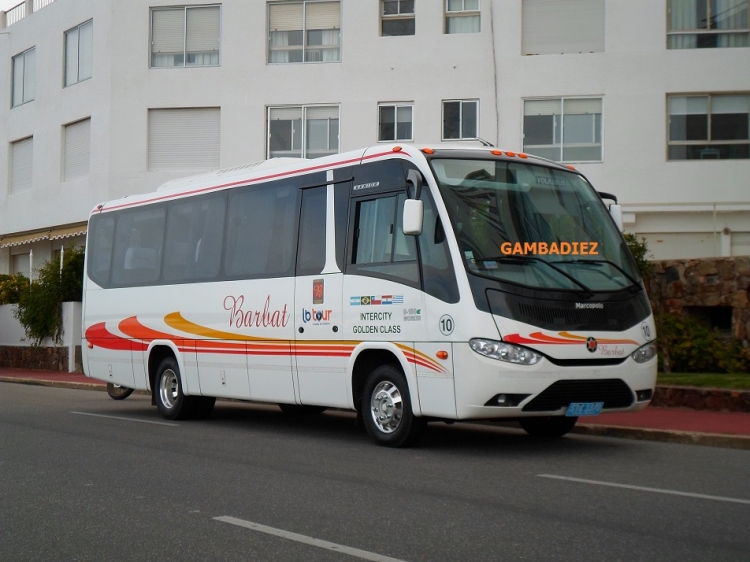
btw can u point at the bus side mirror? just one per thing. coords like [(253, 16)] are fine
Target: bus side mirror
[(616, 211), (413, 217)]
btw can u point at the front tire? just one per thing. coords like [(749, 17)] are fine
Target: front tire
[(555, 426), (386, 409), (170, 400)]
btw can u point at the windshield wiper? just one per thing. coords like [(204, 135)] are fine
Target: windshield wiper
[(531, 258), (608, 262)]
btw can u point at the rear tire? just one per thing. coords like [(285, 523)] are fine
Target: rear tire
[(386, 409), (555, 426), (170, 400), (117, 392), (301, 409)]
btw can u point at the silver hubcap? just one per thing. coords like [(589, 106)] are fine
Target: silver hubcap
[(168, 388), (386, 407)]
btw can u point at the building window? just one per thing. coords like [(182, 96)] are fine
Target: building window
[(563, 129), (700, 24), (79, 49), (303, 131), (395, 122), (462, 16), (24, 77), (551, 27), (460, 119), (21, 263), (184, 138), (21, 164), (76, 149), (709, 126), (304, 32), (397, 17), (185, 36)]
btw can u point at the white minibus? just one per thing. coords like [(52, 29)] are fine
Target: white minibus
[(410, 284)]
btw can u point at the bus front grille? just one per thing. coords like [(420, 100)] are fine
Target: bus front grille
[(615, 393)]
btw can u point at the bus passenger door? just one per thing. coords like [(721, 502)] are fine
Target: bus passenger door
[(320, 357)]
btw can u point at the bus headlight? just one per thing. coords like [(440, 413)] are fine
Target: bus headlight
[(505, 351), (645, 353)]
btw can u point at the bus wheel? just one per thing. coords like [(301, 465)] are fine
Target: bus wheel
[(117, 392), (386, 409), (555, 426), (201, 406), (301, 409), (170, 400)]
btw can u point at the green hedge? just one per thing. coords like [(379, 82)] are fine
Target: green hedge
[(40, 303)]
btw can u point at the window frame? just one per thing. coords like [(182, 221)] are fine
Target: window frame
[(708, 141), (400, 16), (304, 120), (562, 145), (462, 13), (78, 54), (396, 106), (460, 119), (704, 31), (22, 55), (185, 8), (304, 46)]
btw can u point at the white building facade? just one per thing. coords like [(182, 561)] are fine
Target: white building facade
[(104, 98)]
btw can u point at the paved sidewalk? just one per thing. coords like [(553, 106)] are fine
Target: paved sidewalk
[(678, 425)]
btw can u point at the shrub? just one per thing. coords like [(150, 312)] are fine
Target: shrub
[(689, 346), (11, 288), (640, 253), (39, 307)]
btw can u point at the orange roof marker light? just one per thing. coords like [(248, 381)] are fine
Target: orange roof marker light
[(522, 155), (496, 152), (428, 151), (509, 153), (396, 149), (570, 167)]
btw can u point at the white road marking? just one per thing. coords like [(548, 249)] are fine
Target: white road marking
[(363, 554), (644, 489), (126, 419)]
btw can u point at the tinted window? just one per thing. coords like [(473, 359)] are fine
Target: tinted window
[(195, 228), (311, 256), (138, 246), (261, 232), (101, 237), (438, 276)]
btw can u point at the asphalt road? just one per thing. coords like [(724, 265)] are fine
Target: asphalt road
[(253, 484)]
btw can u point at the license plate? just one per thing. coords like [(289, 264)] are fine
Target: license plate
[(584, 409)]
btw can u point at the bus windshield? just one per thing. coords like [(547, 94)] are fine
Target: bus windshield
[(533, 225)]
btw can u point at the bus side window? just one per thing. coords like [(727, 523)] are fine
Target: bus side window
[(379, 247), (139, 238), (102, 237), (311, 250)]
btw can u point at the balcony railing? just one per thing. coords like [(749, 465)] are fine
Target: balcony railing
[(20, 11)]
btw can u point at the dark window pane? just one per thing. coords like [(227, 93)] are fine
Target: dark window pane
[(138, 247), (469, 120), (538, 129), (729, 126), (260, 232), (688, 127), (404, 131), (437, 266), (387, 123), (393, 27), (407, 7), (706, 40), (390, 7), (311, 253), (451, 120), (333, 134), (710, 152), (294, 37), (101, 238), (374, 235), (281, 135)]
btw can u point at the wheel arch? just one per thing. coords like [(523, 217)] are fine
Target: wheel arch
[(159, 350), (366, 357)]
